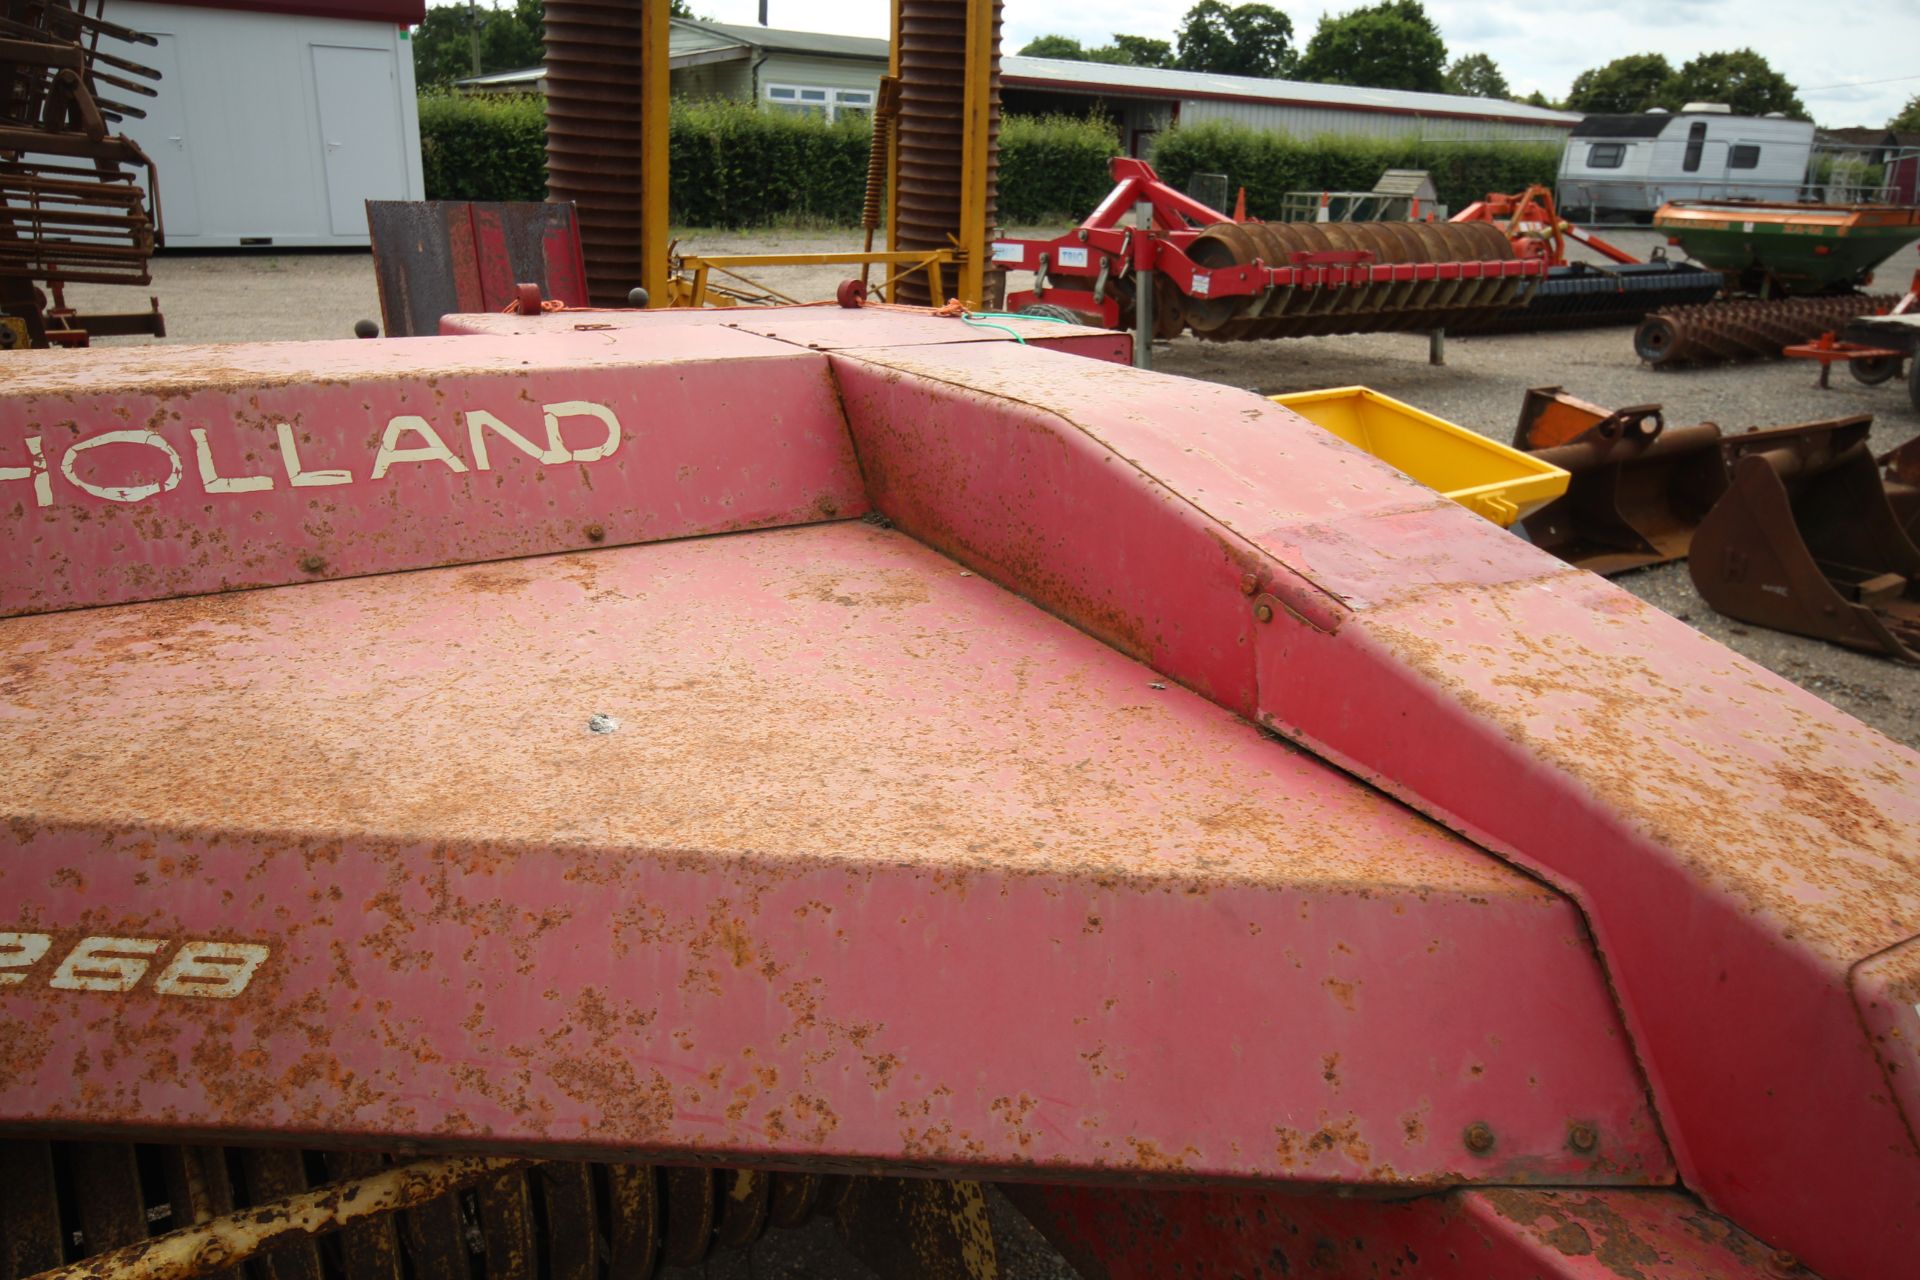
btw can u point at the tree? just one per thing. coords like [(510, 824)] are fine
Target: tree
[(1539, 99), (1624, 86), (1740, 78), (1065, 47), (1143, 51), (1909, 117), (1475, 76), (1389, 45), (444, 44), (1245, 40), (1131, 51)]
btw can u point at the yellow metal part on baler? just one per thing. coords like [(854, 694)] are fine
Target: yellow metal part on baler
[(1484, 476)]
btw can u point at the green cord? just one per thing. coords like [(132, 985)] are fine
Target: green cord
[(973, 318)]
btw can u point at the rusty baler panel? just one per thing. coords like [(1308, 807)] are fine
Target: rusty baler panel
[(802, 845), (1738, 844), (822, 327), (1489, 1234), (137, 474)]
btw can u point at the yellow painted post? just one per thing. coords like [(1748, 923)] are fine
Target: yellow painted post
[(975, 148), (893, 148), (655, 89)]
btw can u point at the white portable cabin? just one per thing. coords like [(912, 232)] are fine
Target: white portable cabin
[(1635, 164), (276, 120)]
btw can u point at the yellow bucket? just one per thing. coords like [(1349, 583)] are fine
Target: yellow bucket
[(1482, 475)]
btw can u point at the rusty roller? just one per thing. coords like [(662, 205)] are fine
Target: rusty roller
[(1407, 305), (1723, 331), (594, 67), (933, 56), (121, 1211)]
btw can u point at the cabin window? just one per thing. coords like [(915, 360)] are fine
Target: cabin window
[(808, 100), (1744, 155), (1696, 145), (1606, 155)]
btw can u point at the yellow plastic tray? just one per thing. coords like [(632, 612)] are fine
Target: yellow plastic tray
[(1482, 475)]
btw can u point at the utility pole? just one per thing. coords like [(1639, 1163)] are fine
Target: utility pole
[(473, 33)]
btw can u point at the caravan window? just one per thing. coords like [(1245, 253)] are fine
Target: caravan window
[(1743, 155), (1606, 155), (1696, 143)]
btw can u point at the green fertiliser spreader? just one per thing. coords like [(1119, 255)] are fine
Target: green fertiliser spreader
[(1780, 253)]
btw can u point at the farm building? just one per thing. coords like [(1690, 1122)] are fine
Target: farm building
[(277, 120), (803, 70), (1145, 100), (792, 70)]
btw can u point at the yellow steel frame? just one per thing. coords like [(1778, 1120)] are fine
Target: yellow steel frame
[(655, 91), (692, 286), (975, 150), (968, 256)]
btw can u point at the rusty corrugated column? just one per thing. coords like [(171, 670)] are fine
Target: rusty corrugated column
[(606, 71), (932, 58)]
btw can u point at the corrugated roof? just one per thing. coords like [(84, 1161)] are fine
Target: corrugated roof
[(1090, 77), (815, 43)]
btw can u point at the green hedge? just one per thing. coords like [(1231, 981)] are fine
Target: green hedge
[(491, 147), (732, 165), (1053, 169), (1269, 165)]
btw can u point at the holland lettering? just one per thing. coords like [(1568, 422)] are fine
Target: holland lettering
[(130, 466)]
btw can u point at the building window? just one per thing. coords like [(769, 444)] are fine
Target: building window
[(816, 101), (1606, 155), (1696, 145), (1743, 155)]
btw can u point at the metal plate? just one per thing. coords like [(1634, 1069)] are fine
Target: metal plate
[(434, 257)]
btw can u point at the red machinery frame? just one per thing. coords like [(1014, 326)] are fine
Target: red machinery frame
[(1103, 248), (1520, 931)]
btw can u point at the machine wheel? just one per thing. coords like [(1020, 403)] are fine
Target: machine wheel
[(1048, 311), (1873, 370)]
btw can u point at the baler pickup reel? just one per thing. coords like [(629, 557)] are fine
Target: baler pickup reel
[(1792, 528)]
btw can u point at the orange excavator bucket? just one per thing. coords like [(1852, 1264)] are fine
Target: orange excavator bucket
[(1638, 488)]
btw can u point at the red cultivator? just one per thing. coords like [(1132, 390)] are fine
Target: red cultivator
[(1228, 280), (814, 743)]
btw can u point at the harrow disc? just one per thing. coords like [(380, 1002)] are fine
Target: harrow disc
[(1745, 330), (1383, 306)]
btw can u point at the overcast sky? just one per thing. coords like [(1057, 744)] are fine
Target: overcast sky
[(1835, 55)]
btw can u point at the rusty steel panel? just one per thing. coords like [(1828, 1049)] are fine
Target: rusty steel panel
[(432, 258), (138, 474), (824, 327), (1738, 844), (664, 848), (1493, 1234)]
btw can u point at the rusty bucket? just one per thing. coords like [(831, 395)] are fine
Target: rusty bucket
[(1638, 488), (1805, 540)]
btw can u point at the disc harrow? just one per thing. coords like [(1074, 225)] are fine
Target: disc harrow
[(1757, 330), (1392, 304)]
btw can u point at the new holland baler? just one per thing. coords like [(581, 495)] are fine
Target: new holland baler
[(554, 800)]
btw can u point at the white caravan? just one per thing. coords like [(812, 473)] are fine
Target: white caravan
[(1635, 164)]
